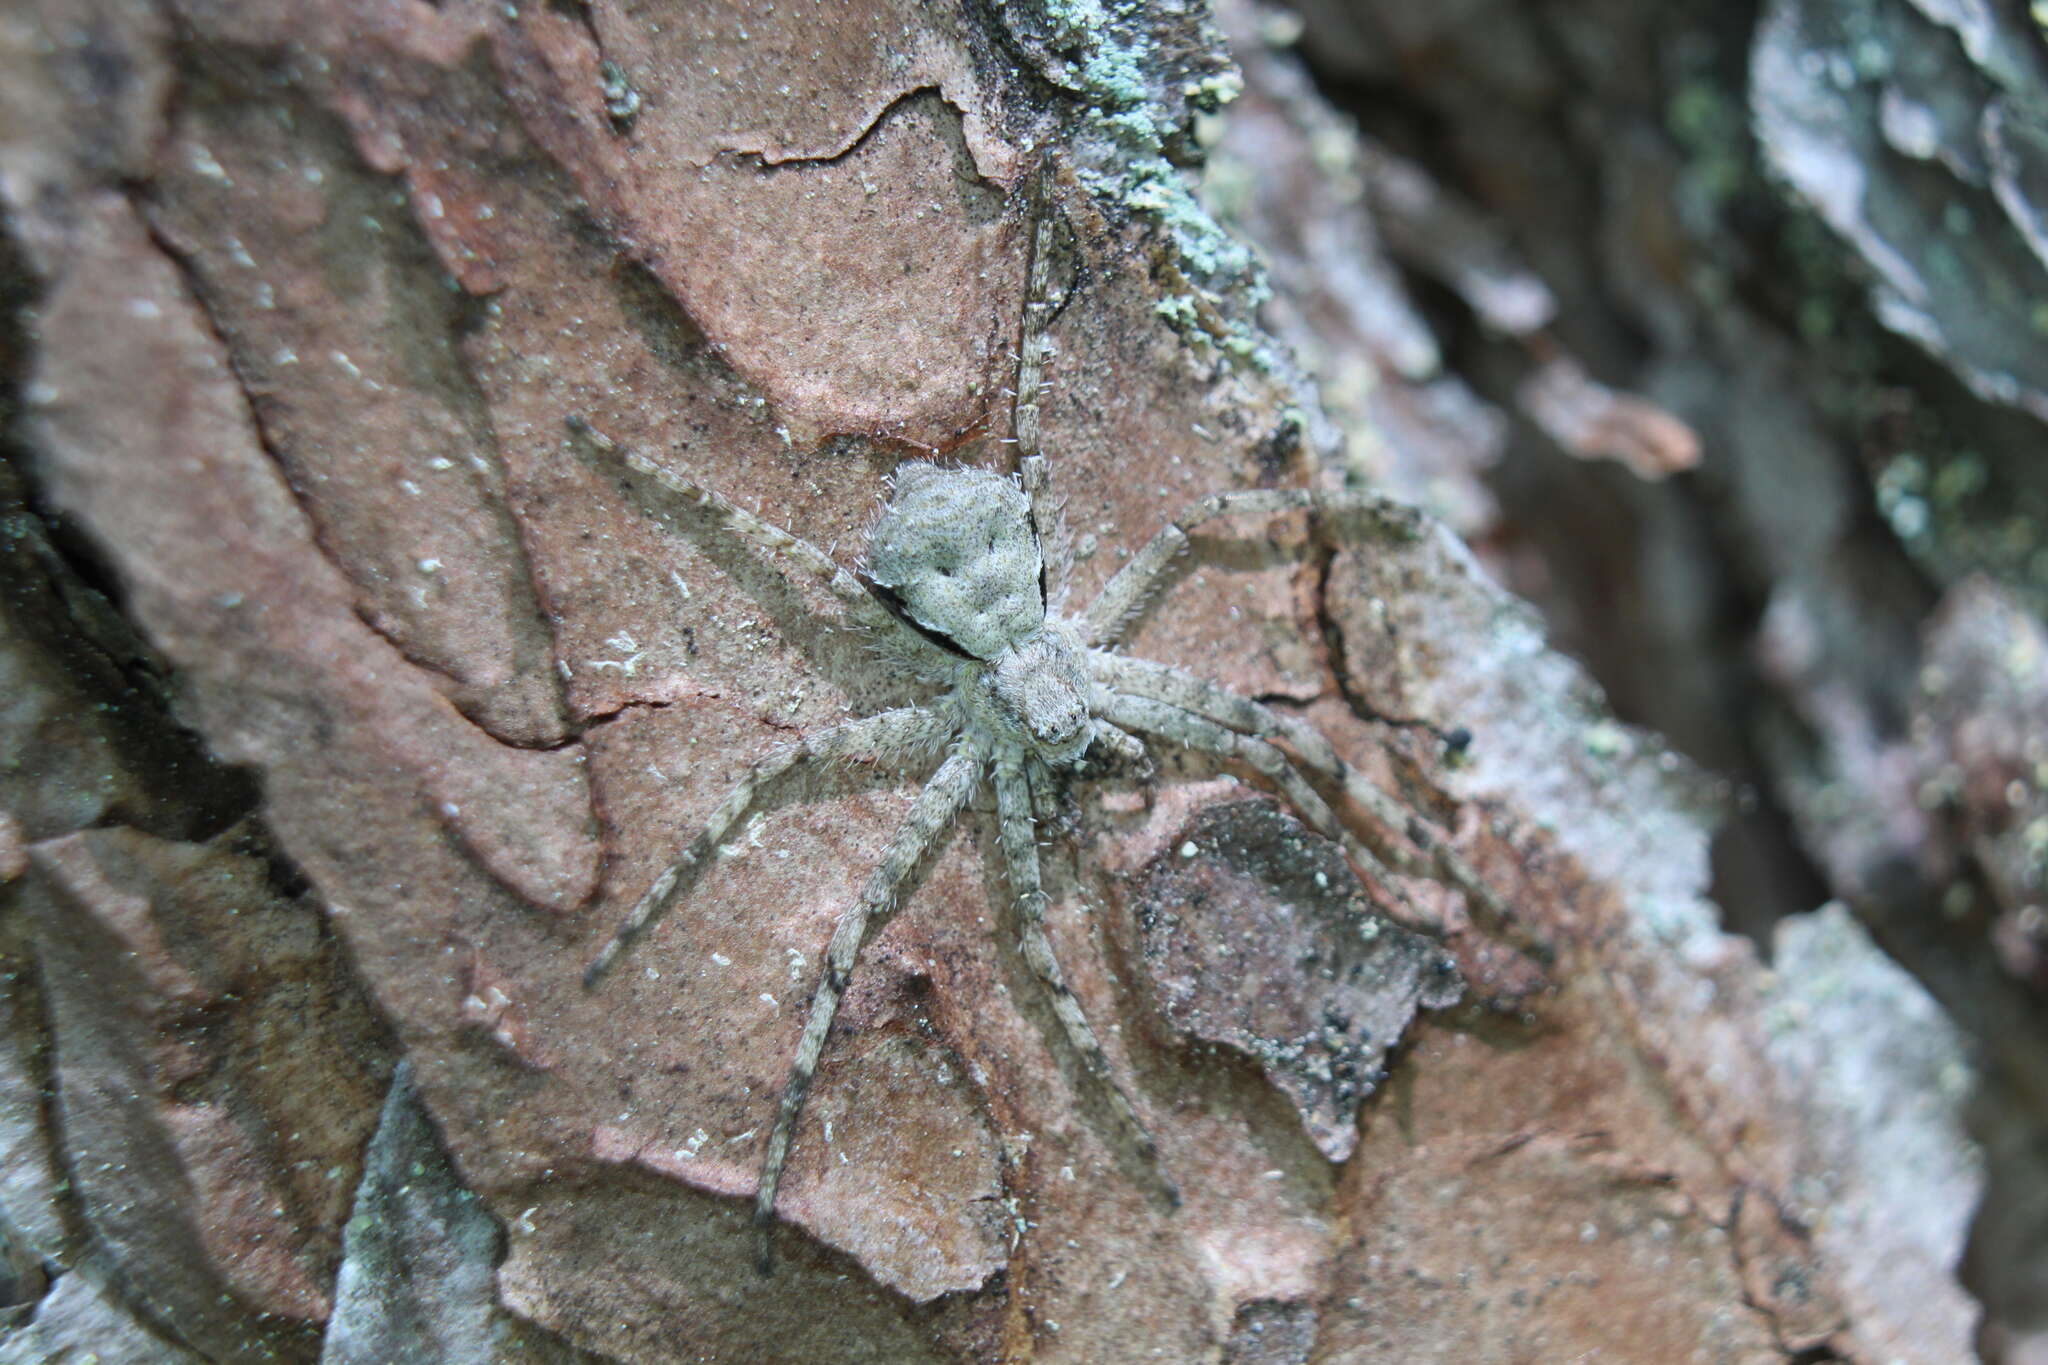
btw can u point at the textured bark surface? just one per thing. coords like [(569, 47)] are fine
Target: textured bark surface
[(350, 706)]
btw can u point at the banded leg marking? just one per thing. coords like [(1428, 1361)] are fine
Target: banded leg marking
[(1199, 732), (811, 562), (1033, 347), (931, 815), (1019, 838), (1107, 616), (901, 732), (1185, 690)]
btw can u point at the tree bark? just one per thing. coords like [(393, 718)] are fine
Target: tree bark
[(354, 706)]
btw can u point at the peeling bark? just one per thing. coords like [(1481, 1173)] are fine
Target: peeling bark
[(301, 1067)]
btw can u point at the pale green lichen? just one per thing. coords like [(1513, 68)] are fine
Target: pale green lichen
[(1113, 64), (1946, 509), (1215, 90), (1179, 310), (1901, 496), (1606, 740)]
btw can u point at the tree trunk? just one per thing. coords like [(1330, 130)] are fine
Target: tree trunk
[(354, 701)]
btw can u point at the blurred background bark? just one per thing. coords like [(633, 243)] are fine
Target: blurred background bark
[(1810, 231), (343, 708)]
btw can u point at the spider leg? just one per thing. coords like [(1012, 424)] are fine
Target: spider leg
[(1019, 839), (931, 815), (1128, 748), (1177, 687), (1106, 617), (1199, 732), (904, 731), (1047, 806), (1033, 348), (808, 560), (1049, 520)]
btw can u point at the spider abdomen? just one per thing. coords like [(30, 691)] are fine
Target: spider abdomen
[(957, 549)]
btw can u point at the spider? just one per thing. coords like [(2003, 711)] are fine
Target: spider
[(966, 575)]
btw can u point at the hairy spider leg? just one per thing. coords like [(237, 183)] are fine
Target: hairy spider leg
[(1034, 346), (1105, 619), (811, 562), (1156, 717), (1019, 840), (1177, 687), (905, 732), (1125, 745), (931, 816), (1045, 792)]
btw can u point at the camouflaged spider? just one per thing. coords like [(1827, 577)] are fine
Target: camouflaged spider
[(966, 569)]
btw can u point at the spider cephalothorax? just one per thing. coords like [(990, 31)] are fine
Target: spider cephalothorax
[(963, 574), (958, 554)]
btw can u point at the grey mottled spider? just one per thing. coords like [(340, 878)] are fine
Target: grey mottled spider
[(965, 568)]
